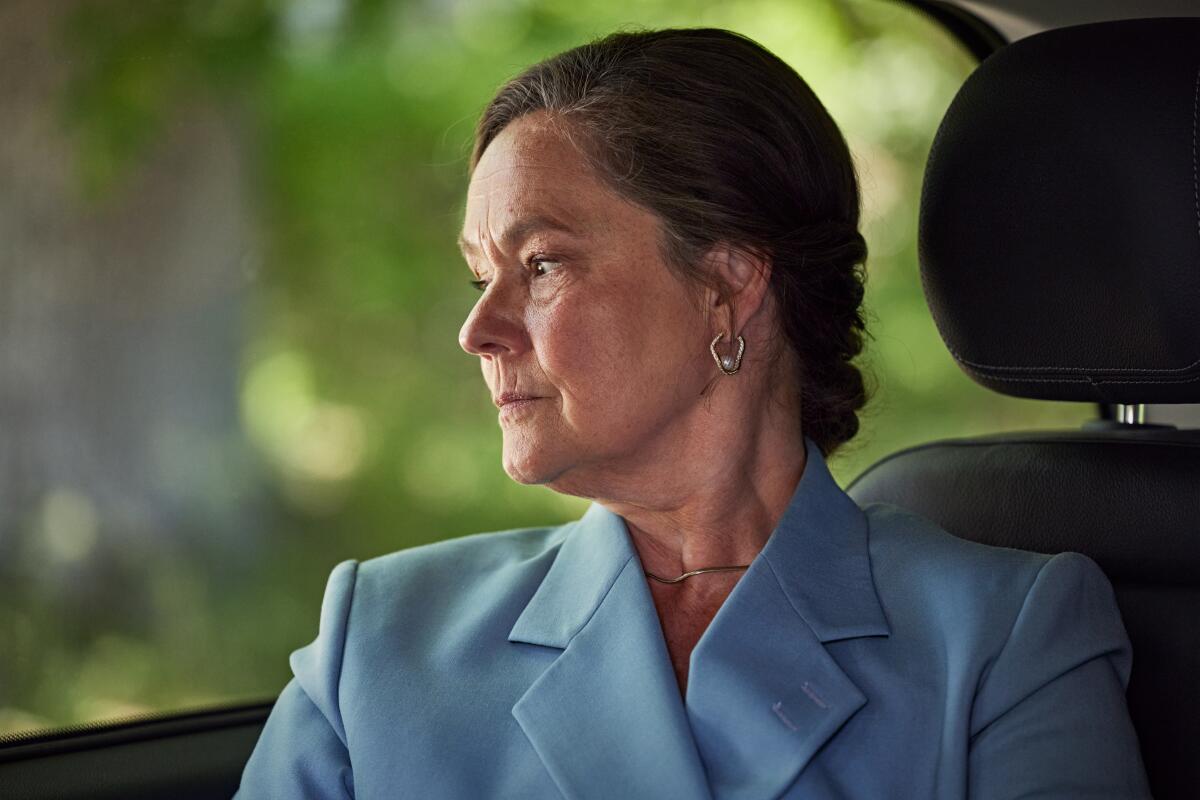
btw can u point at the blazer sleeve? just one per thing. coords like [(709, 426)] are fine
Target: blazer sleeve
[(302, 752), (1050, 718)]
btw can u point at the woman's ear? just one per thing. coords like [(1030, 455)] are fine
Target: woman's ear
[(742, 279)]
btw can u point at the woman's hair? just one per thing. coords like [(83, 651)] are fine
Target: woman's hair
[(726, 144)]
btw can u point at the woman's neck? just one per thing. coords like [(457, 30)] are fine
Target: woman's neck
[(714, 497)]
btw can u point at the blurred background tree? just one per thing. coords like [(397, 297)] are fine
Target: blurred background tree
[(230, 296)]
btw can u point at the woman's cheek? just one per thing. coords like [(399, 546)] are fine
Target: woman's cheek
[(581, 345), (563, 341)]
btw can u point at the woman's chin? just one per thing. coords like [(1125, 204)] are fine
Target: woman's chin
[(526, 467)]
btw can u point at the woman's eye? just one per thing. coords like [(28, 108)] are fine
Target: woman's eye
[(479, 284), (544, 265)]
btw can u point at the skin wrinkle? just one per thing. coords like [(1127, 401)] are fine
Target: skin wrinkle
[(618, 347)]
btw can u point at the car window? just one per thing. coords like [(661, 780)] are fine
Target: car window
[(230, 298)]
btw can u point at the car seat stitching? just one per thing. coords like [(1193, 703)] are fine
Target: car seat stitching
[(1089, 370), (1086, 379), (1195, 179)]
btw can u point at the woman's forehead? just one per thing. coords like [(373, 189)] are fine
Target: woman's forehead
[(529, 156), (531, 178)]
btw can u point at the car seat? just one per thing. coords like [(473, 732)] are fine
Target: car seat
[(1059, 243)]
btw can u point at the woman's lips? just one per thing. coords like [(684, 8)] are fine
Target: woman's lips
[(509, 407), (504, 398)]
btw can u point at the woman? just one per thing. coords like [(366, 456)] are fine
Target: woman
[(663, 226)]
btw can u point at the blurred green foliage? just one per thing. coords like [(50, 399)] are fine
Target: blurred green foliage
[(373, 431)]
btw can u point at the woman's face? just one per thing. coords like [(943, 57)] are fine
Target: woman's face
[(578, 311)]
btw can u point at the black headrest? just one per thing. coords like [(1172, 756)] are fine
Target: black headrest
[(1060, 216)]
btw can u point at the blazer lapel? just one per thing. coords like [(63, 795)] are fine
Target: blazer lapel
[(763, 692), (606, 717)]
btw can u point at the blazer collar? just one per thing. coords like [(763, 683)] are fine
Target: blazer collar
[(595, 550), (606, 716), (819, 556)]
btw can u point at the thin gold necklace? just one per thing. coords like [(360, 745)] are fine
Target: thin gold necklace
[(650, 574)]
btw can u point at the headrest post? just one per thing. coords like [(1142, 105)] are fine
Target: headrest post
[(1131, 413)]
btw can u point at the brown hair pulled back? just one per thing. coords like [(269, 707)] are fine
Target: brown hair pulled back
[(726, 144)]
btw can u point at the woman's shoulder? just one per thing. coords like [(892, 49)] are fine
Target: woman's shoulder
[(474, 585), (912, 554), (917, 546), (962, 583), (991, 605), (476, 554)]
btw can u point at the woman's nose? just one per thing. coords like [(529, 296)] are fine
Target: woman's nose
[(494, 326)]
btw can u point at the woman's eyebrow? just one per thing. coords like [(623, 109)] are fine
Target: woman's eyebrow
[(521, 230)]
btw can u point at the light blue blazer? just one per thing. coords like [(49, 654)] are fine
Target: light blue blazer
[(866, 653)]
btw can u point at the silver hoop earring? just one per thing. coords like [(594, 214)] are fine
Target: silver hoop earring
[(729, 364)]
